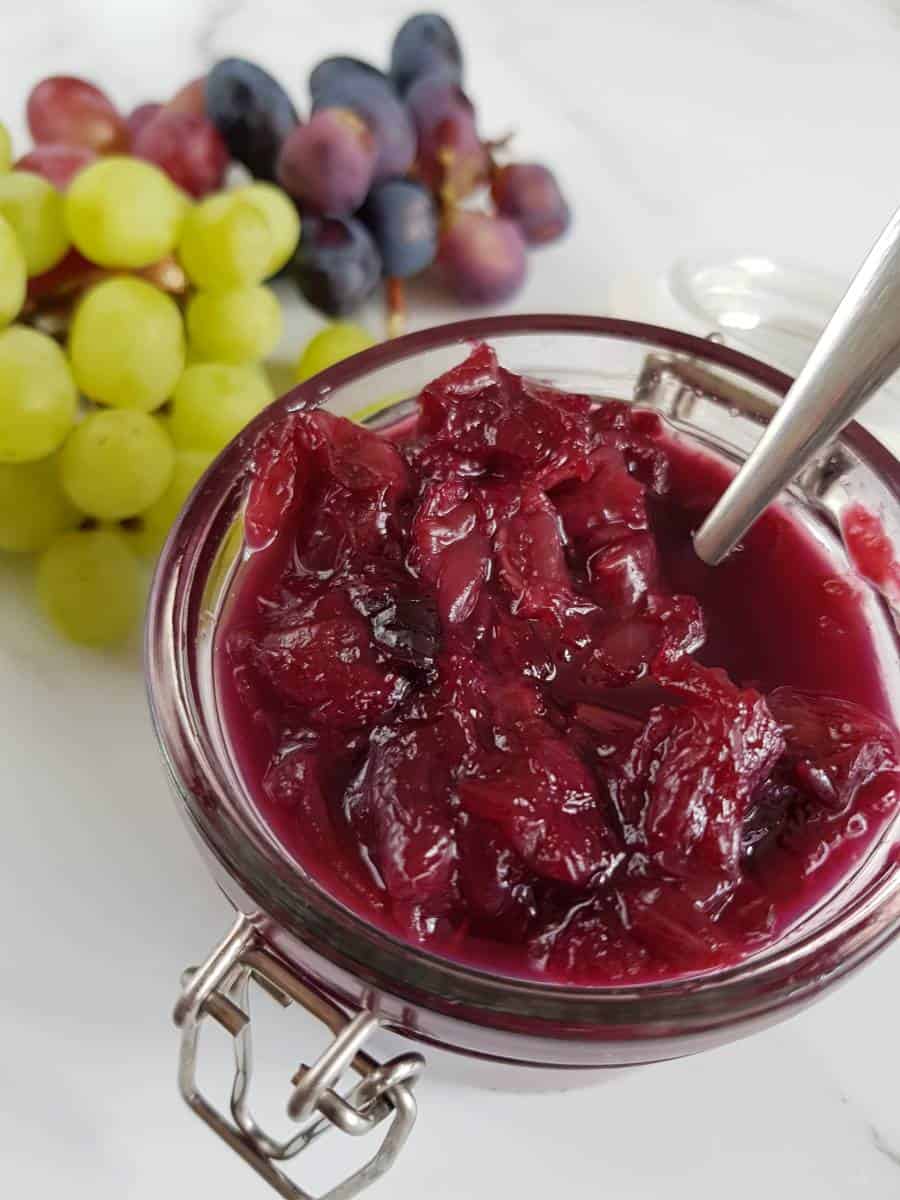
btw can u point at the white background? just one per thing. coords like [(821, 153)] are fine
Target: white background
[(766, 125)]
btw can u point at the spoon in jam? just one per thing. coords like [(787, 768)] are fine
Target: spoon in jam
[(858, 351)]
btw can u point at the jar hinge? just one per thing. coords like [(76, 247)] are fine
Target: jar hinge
[(220, 989)]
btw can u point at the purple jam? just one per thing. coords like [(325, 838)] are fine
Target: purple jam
[(484, 693)]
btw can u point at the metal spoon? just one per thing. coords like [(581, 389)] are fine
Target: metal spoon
[(857, 352)]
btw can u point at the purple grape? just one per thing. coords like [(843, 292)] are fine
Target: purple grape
[(331, 72), (251, 111), (337, 265), (528, 194), (402, 218), (451, 157), (349, 83), (328, 164), (482, 258), (425, 43)]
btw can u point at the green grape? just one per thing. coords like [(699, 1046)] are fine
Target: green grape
[(34, 208), (124, 212), (238, 325), (193, 356), (225, 243), (331, 345), (6, 154), (116, 463), (13, 274), (155, 522), (33, 506), (38, 400), (89, 585), (282, 217), (126, 344), (213, 402)]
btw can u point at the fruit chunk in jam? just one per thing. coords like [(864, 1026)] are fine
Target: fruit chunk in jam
[(485, 693)]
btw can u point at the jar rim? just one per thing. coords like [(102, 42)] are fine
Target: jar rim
[(781, 974)]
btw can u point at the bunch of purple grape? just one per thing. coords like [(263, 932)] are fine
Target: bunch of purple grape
[(390, 173)]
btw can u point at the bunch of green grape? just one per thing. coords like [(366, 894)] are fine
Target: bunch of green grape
[(104, 433)]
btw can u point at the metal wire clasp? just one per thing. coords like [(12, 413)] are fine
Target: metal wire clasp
[(220, 989)]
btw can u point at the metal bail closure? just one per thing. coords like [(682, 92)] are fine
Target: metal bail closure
[(220, 989)]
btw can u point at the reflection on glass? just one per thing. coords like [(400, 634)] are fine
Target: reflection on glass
[(772, 308)]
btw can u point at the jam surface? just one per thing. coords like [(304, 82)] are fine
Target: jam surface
[(485, 694)]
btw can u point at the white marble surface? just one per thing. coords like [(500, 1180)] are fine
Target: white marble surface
[(770, 125)]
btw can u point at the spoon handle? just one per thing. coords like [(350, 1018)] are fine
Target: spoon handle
[(857, 352)]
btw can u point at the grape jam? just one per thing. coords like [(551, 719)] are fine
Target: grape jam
[(485, 694)]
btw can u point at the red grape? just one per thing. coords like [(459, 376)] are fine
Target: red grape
[(188, 148), (528, 194), (142, 115), (70, 275), (70, 110), (482, 257), (56, 162), (191, 98), (451, 155), (328, 164)]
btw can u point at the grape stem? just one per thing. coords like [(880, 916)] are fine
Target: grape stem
[(167, 275), (396, 306), (492, 146), (501, 143), (52, 317)]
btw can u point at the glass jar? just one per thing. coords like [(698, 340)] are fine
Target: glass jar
[(299, 943)]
